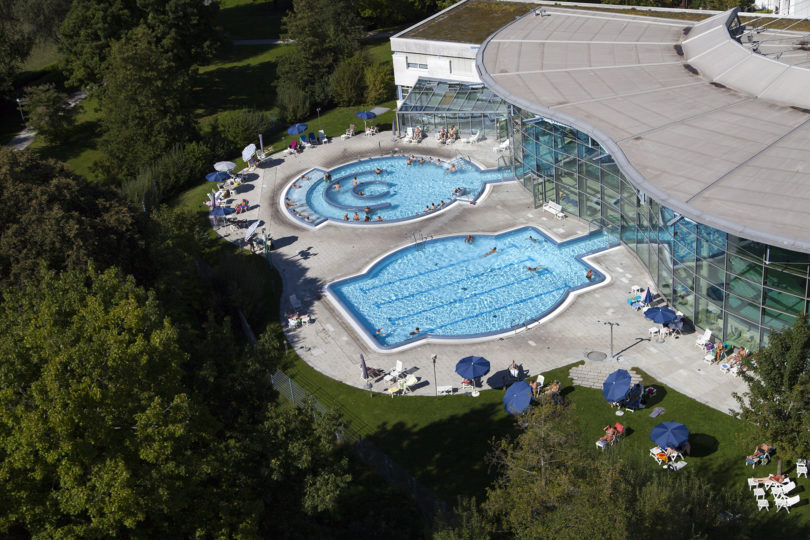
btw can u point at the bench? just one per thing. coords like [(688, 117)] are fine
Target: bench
[(444, 390), (555, 209)]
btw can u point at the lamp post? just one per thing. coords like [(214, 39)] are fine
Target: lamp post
[(19, 105), (318, 109), (612, 324), (435, 382)]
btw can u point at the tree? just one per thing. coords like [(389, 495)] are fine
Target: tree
[(379, 83), (145, 104), (61, 220), (778, 397), (182, 30), (15, 43), (348, 80), (48, 112)]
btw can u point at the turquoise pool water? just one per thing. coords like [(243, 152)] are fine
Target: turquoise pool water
[(400, 191), (450, 288)]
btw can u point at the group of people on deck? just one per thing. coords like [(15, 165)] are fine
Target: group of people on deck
[(446, 135)]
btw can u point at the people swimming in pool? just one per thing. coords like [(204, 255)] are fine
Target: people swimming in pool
[(490, 252), (379, 218), (367, 218), (346, 217), (356, 217), (415, 332), (378, 170), (452, 168), (458, 191), (469, 239), (433, 206), (421, 160), (355, 181), (590, 275), (367, 209), (533, 269), (533, 239), (337, 187)]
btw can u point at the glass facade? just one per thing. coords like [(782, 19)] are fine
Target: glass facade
[(432, 105), (738, 288)]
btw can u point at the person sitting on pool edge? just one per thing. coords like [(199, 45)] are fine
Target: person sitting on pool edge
[(490, 252), (415, 332)]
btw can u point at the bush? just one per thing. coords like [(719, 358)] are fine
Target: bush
[(379, 83), (47, 111), (240, 128), (293, 104), (349, 82)]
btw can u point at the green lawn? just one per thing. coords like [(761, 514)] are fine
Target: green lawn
[(250, 19)]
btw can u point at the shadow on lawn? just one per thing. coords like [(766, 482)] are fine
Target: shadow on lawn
[(660, 394), (703, 444), (449, 454), (235, 87)]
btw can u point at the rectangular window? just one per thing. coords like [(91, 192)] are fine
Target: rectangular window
[(416, 61)]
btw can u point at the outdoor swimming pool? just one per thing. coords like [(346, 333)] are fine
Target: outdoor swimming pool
[(400, 191), (450, 288)]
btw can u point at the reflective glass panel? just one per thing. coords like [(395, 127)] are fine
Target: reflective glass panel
[(785, 281), (684, 300), (745, 268), (742, 333), (709, 315), (776, 320), (784, 301), (742, 307), (744, 288)]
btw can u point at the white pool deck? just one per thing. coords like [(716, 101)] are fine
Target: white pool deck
[(308, 259)]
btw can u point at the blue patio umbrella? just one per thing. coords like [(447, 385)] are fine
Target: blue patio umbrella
[(616, 385), (648, 297), (295, 129), (472, 367), (217, 176), (365, 115), (669, 434), (660, 315), (517, 398)]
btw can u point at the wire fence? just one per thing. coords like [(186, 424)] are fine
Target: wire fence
[(427, 501)]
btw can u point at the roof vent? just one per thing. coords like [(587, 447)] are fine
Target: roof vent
[(691, 69), (718, 85), (687, 30), (679, 49)]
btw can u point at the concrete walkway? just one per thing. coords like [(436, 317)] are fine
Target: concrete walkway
[(308, 259)]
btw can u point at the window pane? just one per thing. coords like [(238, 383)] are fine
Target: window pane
[(710, 290), (744, 288), (786, 282), (745, 268), (784, 301), (742, 333), (683, 299), (776, 320), (742, 307), (709, 315), (665, 279)]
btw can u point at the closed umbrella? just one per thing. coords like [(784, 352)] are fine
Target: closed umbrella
[(295, 129), (517, 398), (660, 315), (218, 176), (648, 297), (247, 152), (251, 230), (616, 385), (224, 166), (363, 367), (365, 115), (669, 434), (472, 367)]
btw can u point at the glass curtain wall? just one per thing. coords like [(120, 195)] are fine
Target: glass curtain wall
[(738, 288), (471, 108)]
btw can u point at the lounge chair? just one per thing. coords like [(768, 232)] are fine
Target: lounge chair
[(312, 139), (703, 340), (409, 135), (322, 137), (349, 132), (293, 148), (407, 386), (303, 142), (473, 138), (261, 156), (786, 503), (395, 373), (501, 147)]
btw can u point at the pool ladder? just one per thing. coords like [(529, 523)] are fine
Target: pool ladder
[(420, 239), (517, 324)]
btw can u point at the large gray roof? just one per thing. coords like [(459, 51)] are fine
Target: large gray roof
[(704, 125)]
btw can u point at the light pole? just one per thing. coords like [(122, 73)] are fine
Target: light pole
[(19, 104), (435, 382), (318, 109), (612, 324)]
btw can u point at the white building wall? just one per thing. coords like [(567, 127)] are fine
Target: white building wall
[(414, 58)]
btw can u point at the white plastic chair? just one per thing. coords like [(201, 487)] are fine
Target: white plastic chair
[(703, 340), (395, 373), (409, 383), (759, 493), (801, 469), (752, 483), (409, 135), (786, 503), (763, 503)]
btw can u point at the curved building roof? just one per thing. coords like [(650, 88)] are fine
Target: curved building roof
[(704, 125)]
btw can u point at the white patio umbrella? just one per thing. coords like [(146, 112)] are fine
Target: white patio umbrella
[(248, 152), (224, 166), (251, 230)]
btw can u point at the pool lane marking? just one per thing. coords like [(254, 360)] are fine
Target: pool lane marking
[(443, 285), (498, 308), (465, 298)]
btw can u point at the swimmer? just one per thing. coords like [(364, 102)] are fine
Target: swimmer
[(346, 217), (590, 275), (327, 176), (296, 186), (430, 159), (337, 187), (354, 181), (287, 199), (421, 160), (458, 191), (452, 168), (433, 206), (427, 208), (438, 161), (378, 170), (469, 239), (414, 332), (533, 269), (360, 192), (367, 209), (533, 239), (379, 218), (441, 203), (356, 217), (304, 178), (367, 218), (490, 252), (408, 161), (379, 332)]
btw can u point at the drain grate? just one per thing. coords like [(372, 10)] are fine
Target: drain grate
[(596, 356)]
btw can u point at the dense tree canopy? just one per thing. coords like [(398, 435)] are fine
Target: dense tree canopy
[(60, 220), (145, 104), (778, 397), (182, 30)]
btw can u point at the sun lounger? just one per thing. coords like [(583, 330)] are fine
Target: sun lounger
[(322, 137), (349, 132)]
